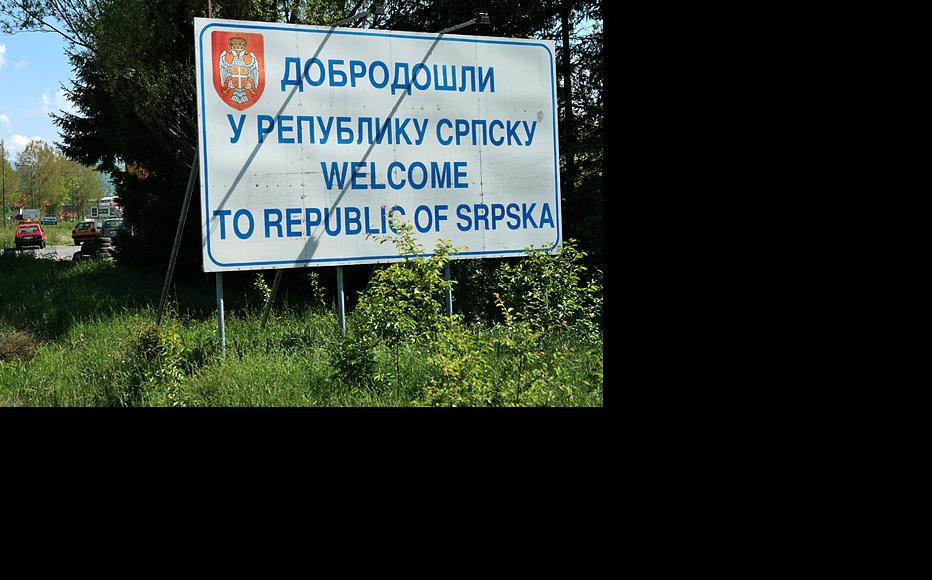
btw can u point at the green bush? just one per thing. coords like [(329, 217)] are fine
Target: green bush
[(318, 299), (508, 366), (150, 370), (262, 288), (402, 305), (95, 344), (547, 291), (401, 312)]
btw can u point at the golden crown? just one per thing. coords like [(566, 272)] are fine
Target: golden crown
[(237, 42)]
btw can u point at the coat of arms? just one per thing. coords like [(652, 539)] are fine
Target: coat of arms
[(239, 68)]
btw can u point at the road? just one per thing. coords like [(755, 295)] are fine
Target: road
[(51, 252)]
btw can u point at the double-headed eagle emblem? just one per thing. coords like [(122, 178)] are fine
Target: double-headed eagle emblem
[(240, 75)]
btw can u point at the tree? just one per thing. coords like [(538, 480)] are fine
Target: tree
[(81, 185), (8, 182), (583, 201), (39, 168)]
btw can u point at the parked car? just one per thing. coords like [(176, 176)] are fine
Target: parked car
[(84, 231), (29, 235), (49, 220), (111, 227)]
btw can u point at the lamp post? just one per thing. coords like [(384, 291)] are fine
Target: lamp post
[(481, 18), (377, 10)]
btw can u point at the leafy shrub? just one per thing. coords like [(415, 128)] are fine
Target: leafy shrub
[(461, 372), (318, 300), (507, 368), (469, 365), (402, 305), (549, 291), (264, 291), (152, 370), (544, 290), (354, 361)]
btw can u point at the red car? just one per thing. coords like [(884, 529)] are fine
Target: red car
[(29, 235)]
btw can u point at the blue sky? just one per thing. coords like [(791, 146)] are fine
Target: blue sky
[(33, 66)]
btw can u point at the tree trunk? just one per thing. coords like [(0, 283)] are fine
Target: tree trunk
[(569, 129)]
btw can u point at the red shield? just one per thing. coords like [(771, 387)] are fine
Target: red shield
[(239, 67)]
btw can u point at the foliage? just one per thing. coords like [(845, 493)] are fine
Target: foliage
[(583, 209), (354, 360), (544, 290), (82, 184), (153, 366), (96, 346), (264, 291), (467, 366), (460, 370), (8, 182), (510, 366), (403, 303), (40, 177), (318, 295), (47, 180), (548, 291)]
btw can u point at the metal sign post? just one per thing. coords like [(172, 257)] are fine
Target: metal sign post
[(178, 232), (341, 310), (220, 325), (268, 305), (446, 276)]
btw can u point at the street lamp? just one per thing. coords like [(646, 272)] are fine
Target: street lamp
[(481, 18), (377, 10)]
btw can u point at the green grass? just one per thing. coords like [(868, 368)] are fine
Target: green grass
[(90, 319)]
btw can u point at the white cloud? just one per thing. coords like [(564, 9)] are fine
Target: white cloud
[(4, 119), (18, 142), (59, 102), (20, 65), (64, 104), (23, 141), (2, 54)]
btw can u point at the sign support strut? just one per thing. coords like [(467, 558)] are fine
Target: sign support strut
[(341, 309), (268, 306), (221, 328), (446, 276), (178, 232)]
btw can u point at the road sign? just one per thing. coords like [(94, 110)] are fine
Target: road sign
[(311, 137)]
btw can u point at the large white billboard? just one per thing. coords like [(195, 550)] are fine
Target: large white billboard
[(311, 136)]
